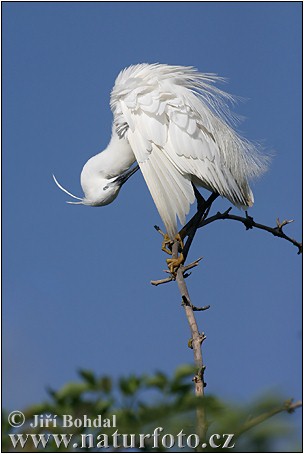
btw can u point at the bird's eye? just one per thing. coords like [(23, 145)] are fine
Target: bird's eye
[(106, 187)]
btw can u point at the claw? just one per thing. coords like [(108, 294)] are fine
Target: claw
[(173, 264), (181, 235), (167, 241), (179, 238)]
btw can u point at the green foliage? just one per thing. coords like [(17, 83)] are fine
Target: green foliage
[(141, 404)]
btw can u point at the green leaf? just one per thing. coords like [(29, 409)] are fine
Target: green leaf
[(105, 384), (71, 391), (102, 406), (129, 385), (159, 380), (88, 376)]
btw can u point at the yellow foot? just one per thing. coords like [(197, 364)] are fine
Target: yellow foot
[(174, 264), (167, 241), (179, 237), (181, 234)]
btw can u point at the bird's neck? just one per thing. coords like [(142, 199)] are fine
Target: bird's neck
[(113, 161), (117, 157)]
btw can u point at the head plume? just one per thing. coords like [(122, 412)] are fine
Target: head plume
[(67, 192)]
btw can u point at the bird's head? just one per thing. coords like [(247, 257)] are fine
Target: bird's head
[(98, 190)]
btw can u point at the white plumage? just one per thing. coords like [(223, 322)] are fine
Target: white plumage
[(175, 123)]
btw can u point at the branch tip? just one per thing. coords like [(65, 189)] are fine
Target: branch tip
[(290, 407), (162, 281), (204, 308), (280, 224), (158, 229), (191, 265)]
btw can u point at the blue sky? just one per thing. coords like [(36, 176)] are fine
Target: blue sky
[(76, 290)]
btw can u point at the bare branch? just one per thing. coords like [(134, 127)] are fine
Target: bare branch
[(163, 281), (249, 223), (288, 406), (291, 407), (158, 229), (191, 265), (179, 274), (196, 341)]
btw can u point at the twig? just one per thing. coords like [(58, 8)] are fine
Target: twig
[(288, 406), (197, 309), (249, 223), (158, 229), (194, 308), (191, 265), (162, 281)]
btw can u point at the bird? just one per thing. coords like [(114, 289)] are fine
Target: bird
[(176, 126)]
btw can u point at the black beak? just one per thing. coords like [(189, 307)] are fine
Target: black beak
[(121, 179)]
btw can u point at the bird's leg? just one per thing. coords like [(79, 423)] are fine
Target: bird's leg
[(203, 208), (174, 263), (167, 245), (167, 241)]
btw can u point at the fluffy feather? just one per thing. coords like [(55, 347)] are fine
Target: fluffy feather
[(180, 130)]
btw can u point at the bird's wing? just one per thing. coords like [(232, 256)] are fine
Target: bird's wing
[(171, 191), (177, 138)]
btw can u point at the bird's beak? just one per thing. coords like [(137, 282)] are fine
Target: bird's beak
[(121, 179)]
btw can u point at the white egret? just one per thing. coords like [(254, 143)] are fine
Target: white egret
[(177, 125)]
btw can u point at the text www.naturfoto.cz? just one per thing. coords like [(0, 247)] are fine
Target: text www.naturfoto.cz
[(117, 440)]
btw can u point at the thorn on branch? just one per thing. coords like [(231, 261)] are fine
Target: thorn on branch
[(224, 214), (199, 377), (249, 222), (186, 302), (202, 337), (203, 308)]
